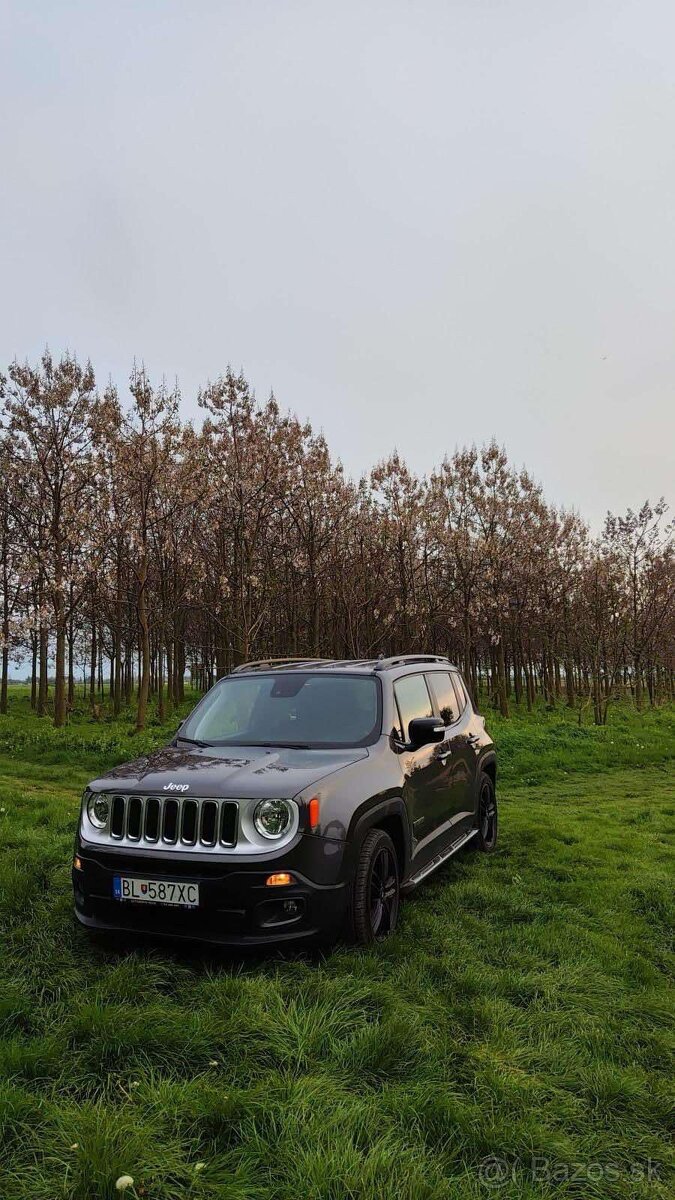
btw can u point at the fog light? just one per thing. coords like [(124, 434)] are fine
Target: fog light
[(281, 879), (291, 906), (77, 863)]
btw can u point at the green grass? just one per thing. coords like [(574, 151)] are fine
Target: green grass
[(522, 1011)]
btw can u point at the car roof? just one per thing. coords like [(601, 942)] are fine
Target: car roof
[(401, 663)]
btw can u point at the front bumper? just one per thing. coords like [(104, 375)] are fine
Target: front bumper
[(236, 907)]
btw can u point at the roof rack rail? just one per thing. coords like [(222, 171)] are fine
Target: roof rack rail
[(353, 662), (404, 660), (258, 664)]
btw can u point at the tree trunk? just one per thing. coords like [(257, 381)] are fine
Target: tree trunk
[(144, 650), (557, 677), (43, 686), (117, 639), (169, 675), (597, 695), (501, 679), (650, 685), (71, 663), (92, 661), (569, 684), (128, 675), (33, 670), (466, 650), (517, 674), (316, 615), (180, 670), (529, 678), (60, 657), (161, 712), (637, 668), (60, 680), (5, 638), (5, 667)]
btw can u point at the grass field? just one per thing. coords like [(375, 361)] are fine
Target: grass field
[(513, 1039)]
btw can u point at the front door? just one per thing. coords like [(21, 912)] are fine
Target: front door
[(421, 768), (454, 784)]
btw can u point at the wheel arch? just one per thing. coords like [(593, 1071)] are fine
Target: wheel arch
[(489, 765), (392, 816)]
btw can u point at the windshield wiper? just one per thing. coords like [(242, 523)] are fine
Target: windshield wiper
[(283, 745), (180, 737)]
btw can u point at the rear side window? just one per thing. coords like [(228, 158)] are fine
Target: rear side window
[(446, 698), (413, 700), (462, 698)]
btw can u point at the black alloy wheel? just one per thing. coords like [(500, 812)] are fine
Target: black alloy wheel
[(376, 889), (487, 815)]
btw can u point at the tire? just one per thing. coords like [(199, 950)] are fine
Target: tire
[(377, 890), (488, 821)]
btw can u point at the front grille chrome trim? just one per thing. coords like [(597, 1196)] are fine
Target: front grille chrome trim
[(208, 823), (189, 821), (215, 823)]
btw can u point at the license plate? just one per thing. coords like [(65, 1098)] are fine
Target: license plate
[(156, 891)]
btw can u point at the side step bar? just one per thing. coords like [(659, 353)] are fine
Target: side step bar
[(438, 861)]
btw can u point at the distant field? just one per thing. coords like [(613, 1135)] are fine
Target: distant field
[(522, 1013)]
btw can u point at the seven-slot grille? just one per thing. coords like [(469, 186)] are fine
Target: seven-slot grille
[(173, 820)]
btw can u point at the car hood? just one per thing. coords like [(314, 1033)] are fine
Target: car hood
[(238, 772)]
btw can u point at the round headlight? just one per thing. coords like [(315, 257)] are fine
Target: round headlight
[(272, 818), (98, 810)]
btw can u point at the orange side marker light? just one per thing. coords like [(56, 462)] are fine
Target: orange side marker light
[(281, 879), (314, 812)]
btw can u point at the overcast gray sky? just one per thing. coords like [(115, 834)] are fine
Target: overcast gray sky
[(421, 223)]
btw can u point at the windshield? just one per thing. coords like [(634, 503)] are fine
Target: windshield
[(289, 708)]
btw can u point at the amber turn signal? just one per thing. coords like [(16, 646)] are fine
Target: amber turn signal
[(281, 879), (77, 863), (314, 812)]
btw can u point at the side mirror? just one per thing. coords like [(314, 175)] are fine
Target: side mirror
[(422, 731)]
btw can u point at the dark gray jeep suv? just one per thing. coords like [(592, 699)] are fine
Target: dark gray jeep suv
[(299, 799)]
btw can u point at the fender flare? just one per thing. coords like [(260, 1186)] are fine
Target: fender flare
[(487, 759), (366, 819)]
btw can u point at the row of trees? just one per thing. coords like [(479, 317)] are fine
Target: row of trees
[(140, 548)]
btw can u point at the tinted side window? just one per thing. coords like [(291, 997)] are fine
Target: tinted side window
[(462, 698), (412, 698), (446, 699)]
